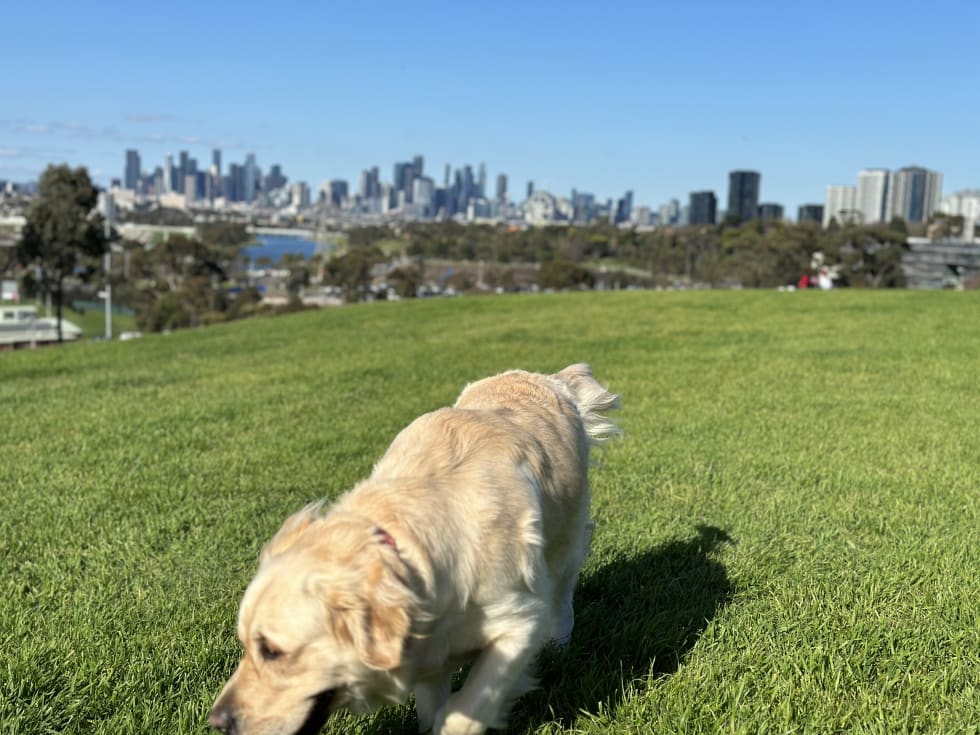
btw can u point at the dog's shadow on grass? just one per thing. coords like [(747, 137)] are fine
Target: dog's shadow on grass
[(635, 616)]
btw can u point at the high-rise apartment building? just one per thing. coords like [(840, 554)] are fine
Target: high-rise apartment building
[(839, 205), (131, 179), (743, 194), (913, 194), (871, 197), (703, 208)]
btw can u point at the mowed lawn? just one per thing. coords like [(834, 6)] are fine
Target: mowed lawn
[(788, 533)]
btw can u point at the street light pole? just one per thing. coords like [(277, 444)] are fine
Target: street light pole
[(107, 265)]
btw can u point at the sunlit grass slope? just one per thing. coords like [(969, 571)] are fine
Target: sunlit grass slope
[(788, 534)]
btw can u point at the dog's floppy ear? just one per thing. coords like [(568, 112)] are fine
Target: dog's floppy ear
[(373, 613)]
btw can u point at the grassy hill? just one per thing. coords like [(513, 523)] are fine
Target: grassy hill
[(788, 534)]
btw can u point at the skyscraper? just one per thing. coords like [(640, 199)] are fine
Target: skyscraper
[(839, 205), (914, 194), (743, 194), (181, 171), (251, 178), (871, 199), (216, 161), (501, 187), (338, 192), (168, 174), (132, 176), (703, 208)]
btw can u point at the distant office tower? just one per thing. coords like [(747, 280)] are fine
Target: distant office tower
[(132, 176), (369, 186), (839, 205), (703, 208), (190, 187), (398, 176), (642, 216), (216, 161), (624, 208), (251, 179), (234, 183), (423, 194), (481, 181), (770, 212), (743, 194), (338, 192), (467, 189), (501, 187), (810, 213), (274, 179), (299, 194), (446, 177), (669, 213), (168, 174), (530, 189), (181, 171), (871, 199), (913, 194), (418, 163)]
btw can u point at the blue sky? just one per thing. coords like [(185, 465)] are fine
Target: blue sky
[(663, 99)]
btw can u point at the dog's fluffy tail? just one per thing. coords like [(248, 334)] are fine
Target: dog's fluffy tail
[(591, 400)]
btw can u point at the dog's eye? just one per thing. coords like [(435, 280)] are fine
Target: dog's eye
[(268, 651)]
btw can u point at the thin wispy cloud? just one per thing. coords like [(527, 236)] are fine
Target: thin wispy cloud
[(79, 131), (68, 129), (30, 153), (150, 117)]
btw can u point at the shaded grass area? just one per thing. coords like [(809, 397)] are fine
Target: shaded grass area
[(787, 535)]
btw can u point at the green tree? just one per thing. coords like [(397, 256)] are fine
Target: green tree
[(352, 271), (61, 229), (562, 274)]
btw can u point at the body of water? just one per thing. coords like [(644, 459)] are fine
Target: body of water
[(276, 246)]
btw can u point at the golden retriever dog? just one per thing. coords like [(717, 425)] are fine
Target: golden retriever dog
[(464, 545)]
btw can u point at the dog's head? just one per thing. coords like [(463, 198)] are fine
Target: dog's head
[(323, 625)]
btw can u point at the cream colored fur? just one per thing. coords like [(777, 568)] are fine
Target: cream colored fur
[(464, 544)]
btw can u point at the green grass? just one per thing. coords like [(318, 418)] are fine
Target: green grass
[(788, 534)]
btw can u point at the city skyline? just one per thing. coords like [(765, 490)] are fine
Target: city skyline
[(665, 104), (911, 193)]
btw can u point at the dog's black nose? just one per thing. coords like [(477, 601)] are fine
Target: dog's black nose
[(222, 720)]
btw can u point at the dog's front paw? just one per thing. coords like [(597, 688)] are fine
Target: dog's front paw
[(456, 723)]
